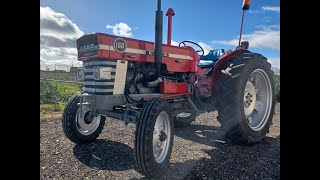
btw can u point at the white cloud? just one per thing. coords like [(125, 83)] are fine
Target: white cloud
[(62, 57), (56, 53), (274, 61), (57, 25), (264, 9), (174, 43), (271, 8), (205, 47), (265, 37), (269, 27), (254, 12), (275, 64), (58, 36), (121, 29)]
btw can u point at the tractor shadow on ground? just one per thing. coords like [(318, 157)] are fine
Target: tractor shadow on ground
[(105, 155), (226, 160), (203, 134), (230, 161)]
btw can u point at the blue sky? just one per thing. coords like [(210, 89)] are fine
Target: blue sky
[(212, 23)]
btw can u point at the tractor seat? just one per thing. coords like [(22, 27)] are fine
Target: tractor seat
[(211, 58)]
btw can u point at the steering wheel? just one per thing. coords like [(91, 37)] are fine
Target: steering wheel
[(200, 50)]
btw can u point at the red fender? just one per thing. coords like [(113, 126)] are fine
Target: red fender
[(219, 65)]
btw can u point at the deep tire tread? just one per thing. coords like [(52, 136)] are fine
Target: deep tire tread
[(230, 114), (69, 123), (143, 153)]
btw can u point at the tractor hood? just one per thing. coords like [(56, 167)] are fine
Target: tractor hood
[(105, 46)]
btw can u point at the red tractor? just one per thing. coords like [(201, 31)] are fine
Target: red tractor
[(159, 86)]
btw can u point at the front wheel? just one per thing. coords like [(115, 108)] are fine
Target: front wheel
[(154, 138), (78, 124), (246, 98)]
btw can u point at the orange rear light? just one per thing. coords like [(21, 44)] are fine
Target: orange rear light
[(246, 4)]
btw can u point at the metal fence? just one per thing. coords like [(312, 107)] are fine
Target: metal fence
[(53, 67), (58, 72), (57, 75)]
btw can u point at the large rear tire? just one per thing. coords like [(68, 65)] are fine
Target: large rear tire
[(75, 124), (154, 138), (246, 98)]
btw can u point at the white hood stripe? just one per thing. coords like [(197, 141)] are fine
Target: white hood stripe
[(141, 51)]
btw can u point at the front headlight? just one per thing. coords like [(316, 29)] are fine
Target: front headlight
[(96, 73), (80, 75)]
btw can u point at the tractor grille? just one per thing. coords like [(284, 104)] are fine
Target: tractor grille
[(98, 87), (88, 45)]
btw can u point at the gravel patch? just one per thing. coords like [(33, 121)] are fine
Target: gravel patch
[(199, 152)]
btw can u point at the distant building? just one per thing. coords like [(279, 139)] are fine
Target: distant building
[(74, 69)]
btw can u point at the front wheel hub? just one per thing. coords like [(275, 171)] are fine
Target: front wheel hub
[(86, 122), (88, 117), (162, 136)]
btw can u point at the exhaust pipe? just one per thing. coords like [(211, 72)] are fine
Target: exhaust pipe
[(158, 40), (169, 13)]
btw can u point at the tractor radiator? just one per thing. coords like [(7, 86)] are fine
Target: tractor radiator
[(114, 84)]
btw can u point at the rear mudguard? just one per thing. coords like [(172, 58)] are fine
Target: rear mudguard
[(207, 84), (220, 65)]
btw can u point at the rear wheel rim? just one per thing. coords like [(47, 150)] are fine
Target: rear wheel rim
[(160, 146), (83, 127), (257, 99)]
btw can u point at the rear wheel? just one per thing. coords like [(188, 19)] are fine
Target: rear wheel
[(154, 138), (246, 99), (78, 124)]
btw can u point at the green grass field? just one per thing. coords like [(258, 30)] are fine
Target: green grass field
[(54, 95)]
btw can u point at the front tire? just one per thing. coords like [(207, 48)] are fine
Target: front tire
[(246, 98), (154, 138), (75, 125)]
